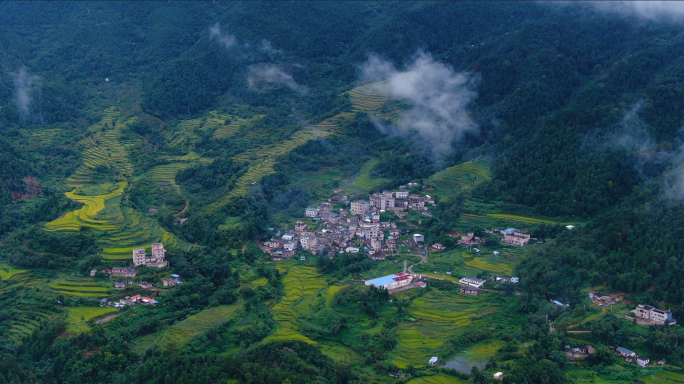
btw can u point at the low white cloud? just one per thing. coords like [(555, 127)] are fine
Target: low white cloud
[(438, 98), (226, 39), (262, 74), (23, 88)]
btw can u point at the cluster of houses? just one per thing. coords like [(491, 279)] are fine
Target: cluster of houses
[(602, 300), (351, 230), (631, 357), (155, 260), (475, 282), (578, 352), (128, 300)]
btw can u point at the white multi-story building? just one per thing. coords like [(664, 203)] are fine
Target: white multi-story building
[(401, 194), (308, 242), (311, 212), (654, 315), (139, 256), (290, 246), (418, 238), (158, 252)]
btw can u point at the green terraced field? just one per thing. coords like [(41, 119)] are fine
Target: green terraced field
[(78, 317), (288, 334), (438, 379), (184, 134), (363, 182), (438, 314), (180, 333), (480, 263), (263, 159), (30, 317), (369, 97), (7, 273), (460, 177), (521, 219)]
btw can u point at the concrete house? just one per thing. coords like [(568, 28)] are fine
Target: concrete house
[(401, 194), (170, 281), (515, 237), (308, 242), (139, 256), (469, 239), (472, 281), (642, 361), (359, 207), (438, 247), (418, 239), (311, 212), (290, 246), (119, 284), (654, 315), (124, 271), (300, 226)]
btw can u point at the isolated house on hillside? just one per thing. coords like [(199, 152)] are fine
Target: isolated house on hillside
[(515, 237)]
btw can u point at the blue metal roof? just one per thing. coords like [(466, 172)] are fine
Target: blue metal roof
[(624, 351), (380, 281), (509, 230)]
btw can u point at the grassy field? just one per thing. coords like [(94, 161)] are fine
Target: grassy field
[(465, 176), (369, 97), (78, 317), (180, 333)]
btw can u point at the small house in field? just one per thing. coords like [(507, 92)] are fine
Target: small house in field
[(119, 284), (145, 285), (498, 376), (438, 247), (469, 291), (170, 281), (433, 360)]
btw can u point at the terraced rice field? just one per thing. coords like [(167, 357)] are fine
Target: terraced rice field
[(300, 283), (437, 379), (184, 134), (166, 174), (369, 97), (6, 273), (521, 219), (78, 317), (29, 319), (437, 315), (363, 182), (339, 353), (480, 263), (465, 176), (263, 159), (228, 131), (103, 148), (180, 333), (331, 294), (81, 287)]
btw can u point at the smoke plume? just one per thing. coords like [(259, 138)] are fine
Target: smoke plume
[(227, 40), (262, 74), (438, 98), (23, 87)]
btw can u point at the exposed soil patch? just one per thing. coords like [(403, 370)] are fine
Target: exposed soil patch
[(33, 189)]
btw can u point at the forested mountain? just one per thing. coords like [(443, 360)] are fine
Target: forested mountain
[(211, 126)]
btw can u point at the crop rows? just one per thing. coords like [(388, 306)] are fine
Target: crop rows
[(184, 134), (263, 159), (180, 333), (369, 97), (78, 316), (459, 177), (480, 263), (521, 219)]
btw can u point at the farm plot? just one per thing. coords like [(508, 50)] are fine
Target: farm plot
[(229, 130), (80, 287), (437, 379), (180, 333), (184, 135), (300, 282), (103, 149), (436, 315), (369, 97), (263, 159), (465, 176), (482, 264), (521, 219), (29, 318), (78, 317), (124, 228), (6, 272), (363, 182)]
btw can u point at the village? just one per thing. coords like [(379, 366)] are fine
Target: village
[(156, 260)]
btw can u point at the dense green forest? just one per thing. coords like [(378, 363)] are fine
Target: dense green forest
[(211, 126)]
